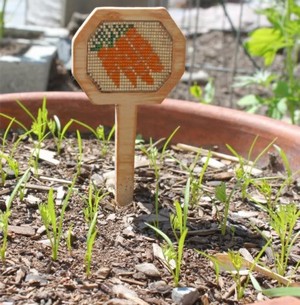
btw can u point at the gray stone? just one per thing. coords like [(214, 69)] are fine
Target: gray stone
[(27, 72), (148, 269), (185, 295), (121, 291)]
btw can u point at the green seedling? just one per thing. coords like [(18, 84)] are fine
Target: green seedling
[(90, 239), (237, 262), (4, 216), (92, 203), (14, 120), (58, 132), (39, 128), (156, 160), (80, 153), (50, 219), (104, 140), (40, 123), (99, 133), (285, 161), (69, 238), (283, 221), (90, 215), (245, 169), (195, 182), (178, 222), (221, 195)]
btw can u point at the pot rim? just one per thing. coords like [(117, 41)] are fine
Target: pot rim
[(200, 125)]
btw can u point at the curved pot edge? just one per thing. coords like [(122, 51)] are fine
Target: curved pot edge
[(200, 125)]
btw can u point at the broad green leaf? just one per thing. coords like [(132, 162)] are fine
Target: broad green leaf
[(221, 192), (248, 100), (196, 91), (282, 291), (265, 42), (281, 89)]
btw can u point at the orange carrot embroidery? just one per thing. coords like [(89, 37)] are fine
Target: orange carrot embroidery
[(122, 49)]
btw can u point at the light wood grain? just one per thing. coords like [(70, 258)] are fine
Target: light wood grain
[(125, 145)]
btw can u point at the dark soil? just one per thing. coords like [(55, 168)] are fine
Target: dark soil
[(30, 276)]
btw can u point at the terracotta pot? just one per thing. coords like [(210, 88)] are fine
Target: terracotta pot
[(200, 125)]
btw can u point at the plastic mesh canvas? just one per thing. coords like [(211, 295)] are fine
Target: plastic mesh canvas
[(129, 56)]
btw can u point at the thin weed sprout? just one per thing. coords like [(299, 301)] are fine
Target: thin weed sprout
[(4, 216), (178, 222), (156, 160)]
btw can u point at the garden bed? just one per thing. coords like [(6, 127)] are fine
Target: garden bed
[(124, 243)]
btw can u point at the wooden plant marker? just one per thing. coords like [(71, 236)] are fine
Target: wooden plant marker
[(127, 57)]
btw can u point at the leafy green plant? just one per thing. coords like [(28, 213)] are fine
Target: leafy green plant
[(52, 221), (205, 95), (178, 222), (283, 90)]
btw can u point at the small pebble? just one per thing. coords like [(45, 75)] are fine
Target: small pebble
[(148, 269), (185, 295)]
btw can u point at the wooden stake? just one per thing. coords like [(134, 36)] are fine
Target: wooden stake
[(127, 57), (125, 146)]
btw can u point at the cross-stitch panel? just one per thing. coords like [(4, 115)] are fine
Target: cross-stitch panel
[(129, 56)]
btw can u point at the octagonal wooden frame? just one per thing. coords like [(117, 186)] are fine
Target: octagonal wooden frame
[(79, 54)]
